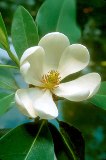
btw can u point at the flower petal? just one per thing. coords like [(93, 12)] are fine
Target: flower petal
[(75, 58), (54, 44), (32, 65), (34, 102), (79, 89), (24, 99), (45, 106)]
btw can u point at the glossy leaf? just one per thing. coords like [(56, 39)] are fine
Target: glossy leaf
[(7, 80), (30, 141), (3, 34), (4, 41), (68, 143), (60, 148), (6, 103), (73, 139), (24, 31), (60, 16), (100, 98)]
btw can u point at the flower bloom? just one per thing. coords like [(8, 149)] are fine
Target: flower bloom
[(44, 67)]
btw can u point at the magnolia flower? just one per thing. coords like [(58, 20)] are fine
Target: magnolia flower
[(44, 67)]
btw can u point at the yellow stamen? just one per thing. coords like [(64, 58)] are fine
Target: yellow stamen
[(51, 80)]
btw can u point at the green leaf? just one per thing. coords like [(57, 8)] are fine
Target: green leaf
[(8, 66), (4, 41), (58, 15), (3, 94), (3, 33), (100, 98), (1, 46), (60, 148), (7, 80), (31, 141), (73, 140), (24, 31), (3, 131), (6, 103)]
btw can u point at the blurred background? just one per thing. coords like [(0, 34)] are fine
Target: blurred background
[(91, 120)]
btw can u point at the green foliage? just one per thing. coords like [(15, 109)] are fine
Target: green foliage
[(3, 34), (34, 141), (60, 148), (24, 31), (8, 87), (92, 123), (30, 141), (100, 98), (8, 66), (4, 41), (69, 143), (7, 80), (73, 140), (6, 102), (58, 16)]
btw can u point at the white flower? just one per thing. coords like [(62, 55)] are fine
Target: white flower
[(44, 66)]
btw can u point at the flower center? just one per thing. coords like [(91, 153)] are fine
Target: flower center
[(51, 80)]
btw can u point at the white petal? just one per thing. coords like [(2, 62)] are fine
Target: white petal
[(32, 65), (29, 74), (28, 53), (79, 89), (75, 58), (34, 102), (45, 106), (24, 99), (54, 44)]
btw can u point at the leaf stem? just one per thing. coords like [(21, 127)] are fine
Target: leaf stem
[(8, 66)]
